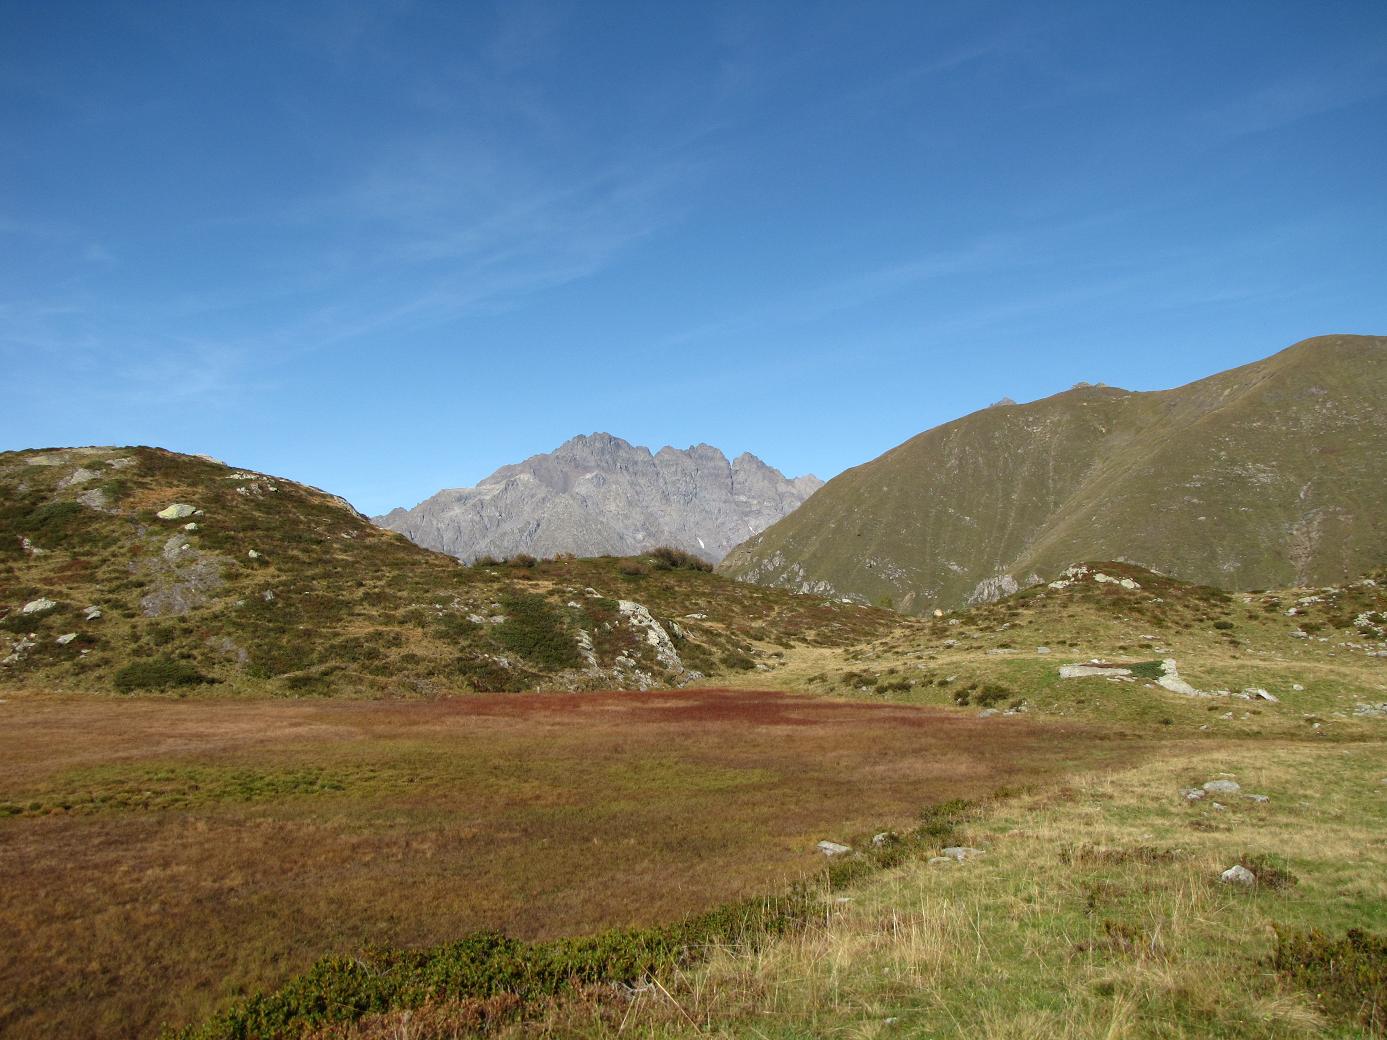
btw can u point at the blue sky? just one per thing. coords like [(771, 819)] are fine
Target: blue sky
[(387, 247)]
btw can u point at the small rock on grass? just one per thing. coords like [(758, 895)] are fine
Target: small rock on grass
[(177, 511), (1238, 874), (1222, 786), (1260, 799), (65, 638), (833, 848), (959, 853), (37, 606)]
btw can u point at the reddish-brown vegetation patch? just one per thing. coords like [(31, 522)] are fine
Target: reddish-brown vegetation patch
[(164, 856)]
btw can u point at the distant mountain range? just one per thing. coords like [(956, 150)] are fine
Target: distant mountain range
[(1274, 473), (600, 495)]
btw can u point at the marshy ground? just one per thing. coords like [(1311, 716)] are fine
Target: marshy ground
[(163, 856)]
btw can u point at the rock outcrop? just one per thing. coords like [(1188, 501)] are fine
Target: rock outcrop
[(599, 495)]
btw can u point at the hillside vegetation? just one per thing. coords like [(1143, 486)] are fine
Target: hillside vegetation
[(255, 583), (1272, 474)]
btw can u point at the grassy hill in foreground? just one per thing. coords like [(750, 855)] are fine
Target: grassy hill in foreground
[(1272, 474), (251, 583)]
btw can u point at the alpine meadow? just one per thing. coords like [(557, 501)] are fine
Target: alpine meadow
[(565, 520)]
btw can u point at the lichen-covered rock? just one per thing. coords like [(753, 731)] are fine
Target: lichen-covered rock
[(176, 511)]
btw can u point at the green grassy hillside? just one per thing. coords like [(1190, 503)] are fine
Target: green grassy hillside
[(271, 586), (1266, 475)]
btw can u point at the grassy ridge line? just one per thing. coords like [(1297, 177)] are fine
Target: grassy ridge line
[(343, 989)]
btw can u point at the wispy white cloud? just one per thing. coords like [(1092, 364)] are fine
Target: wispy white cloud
[(1295, 97)]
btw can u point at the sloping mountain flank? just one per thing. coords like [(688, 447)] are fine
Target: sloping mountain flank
[(599, 495), (1274, 473)]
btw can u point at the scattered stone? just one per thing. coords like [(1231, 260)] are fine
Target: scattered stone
[(1217, 806), (987, 713), (268, 595), (255, 555), (1222, 786), (37, 606), (1260, 799), (190, 526), (65, 638), (19, 649), (1080, 671), (177, 511), (96, 499), (1256, 693), (1042, 649), (30, 549), (959, 853), (78, 476), (883, 839), (833, 848), (1238, 874), (936, 860), (1376, 711), (1193, 794), (1171, 680), (91, 613)]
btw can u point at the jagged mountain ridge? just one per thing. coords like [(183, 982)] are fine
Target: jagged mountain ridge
[(598, 495), (1268, 474)]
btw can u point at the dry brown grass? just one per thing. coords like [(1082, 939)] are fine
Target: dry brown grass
[(535, 814)]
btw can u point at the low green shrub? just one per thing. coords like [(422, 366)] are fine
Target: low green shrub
[(1348, 975), (1147, 669), (535, 630), (668, 558), (159, 673)]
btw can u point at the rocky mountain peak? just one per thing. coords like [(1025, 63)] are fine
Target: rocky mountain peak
[(597, 494)]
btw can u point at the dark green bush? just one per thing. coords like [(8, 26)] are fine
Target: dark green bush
[(668, 558), (535, 630), (160, 673)]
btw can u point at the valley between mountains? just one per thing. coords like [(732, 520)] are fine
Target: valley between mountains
[(1063, 719)]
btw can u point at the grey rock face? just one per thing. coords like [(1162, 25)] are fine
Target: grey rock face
[(598, 495)]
